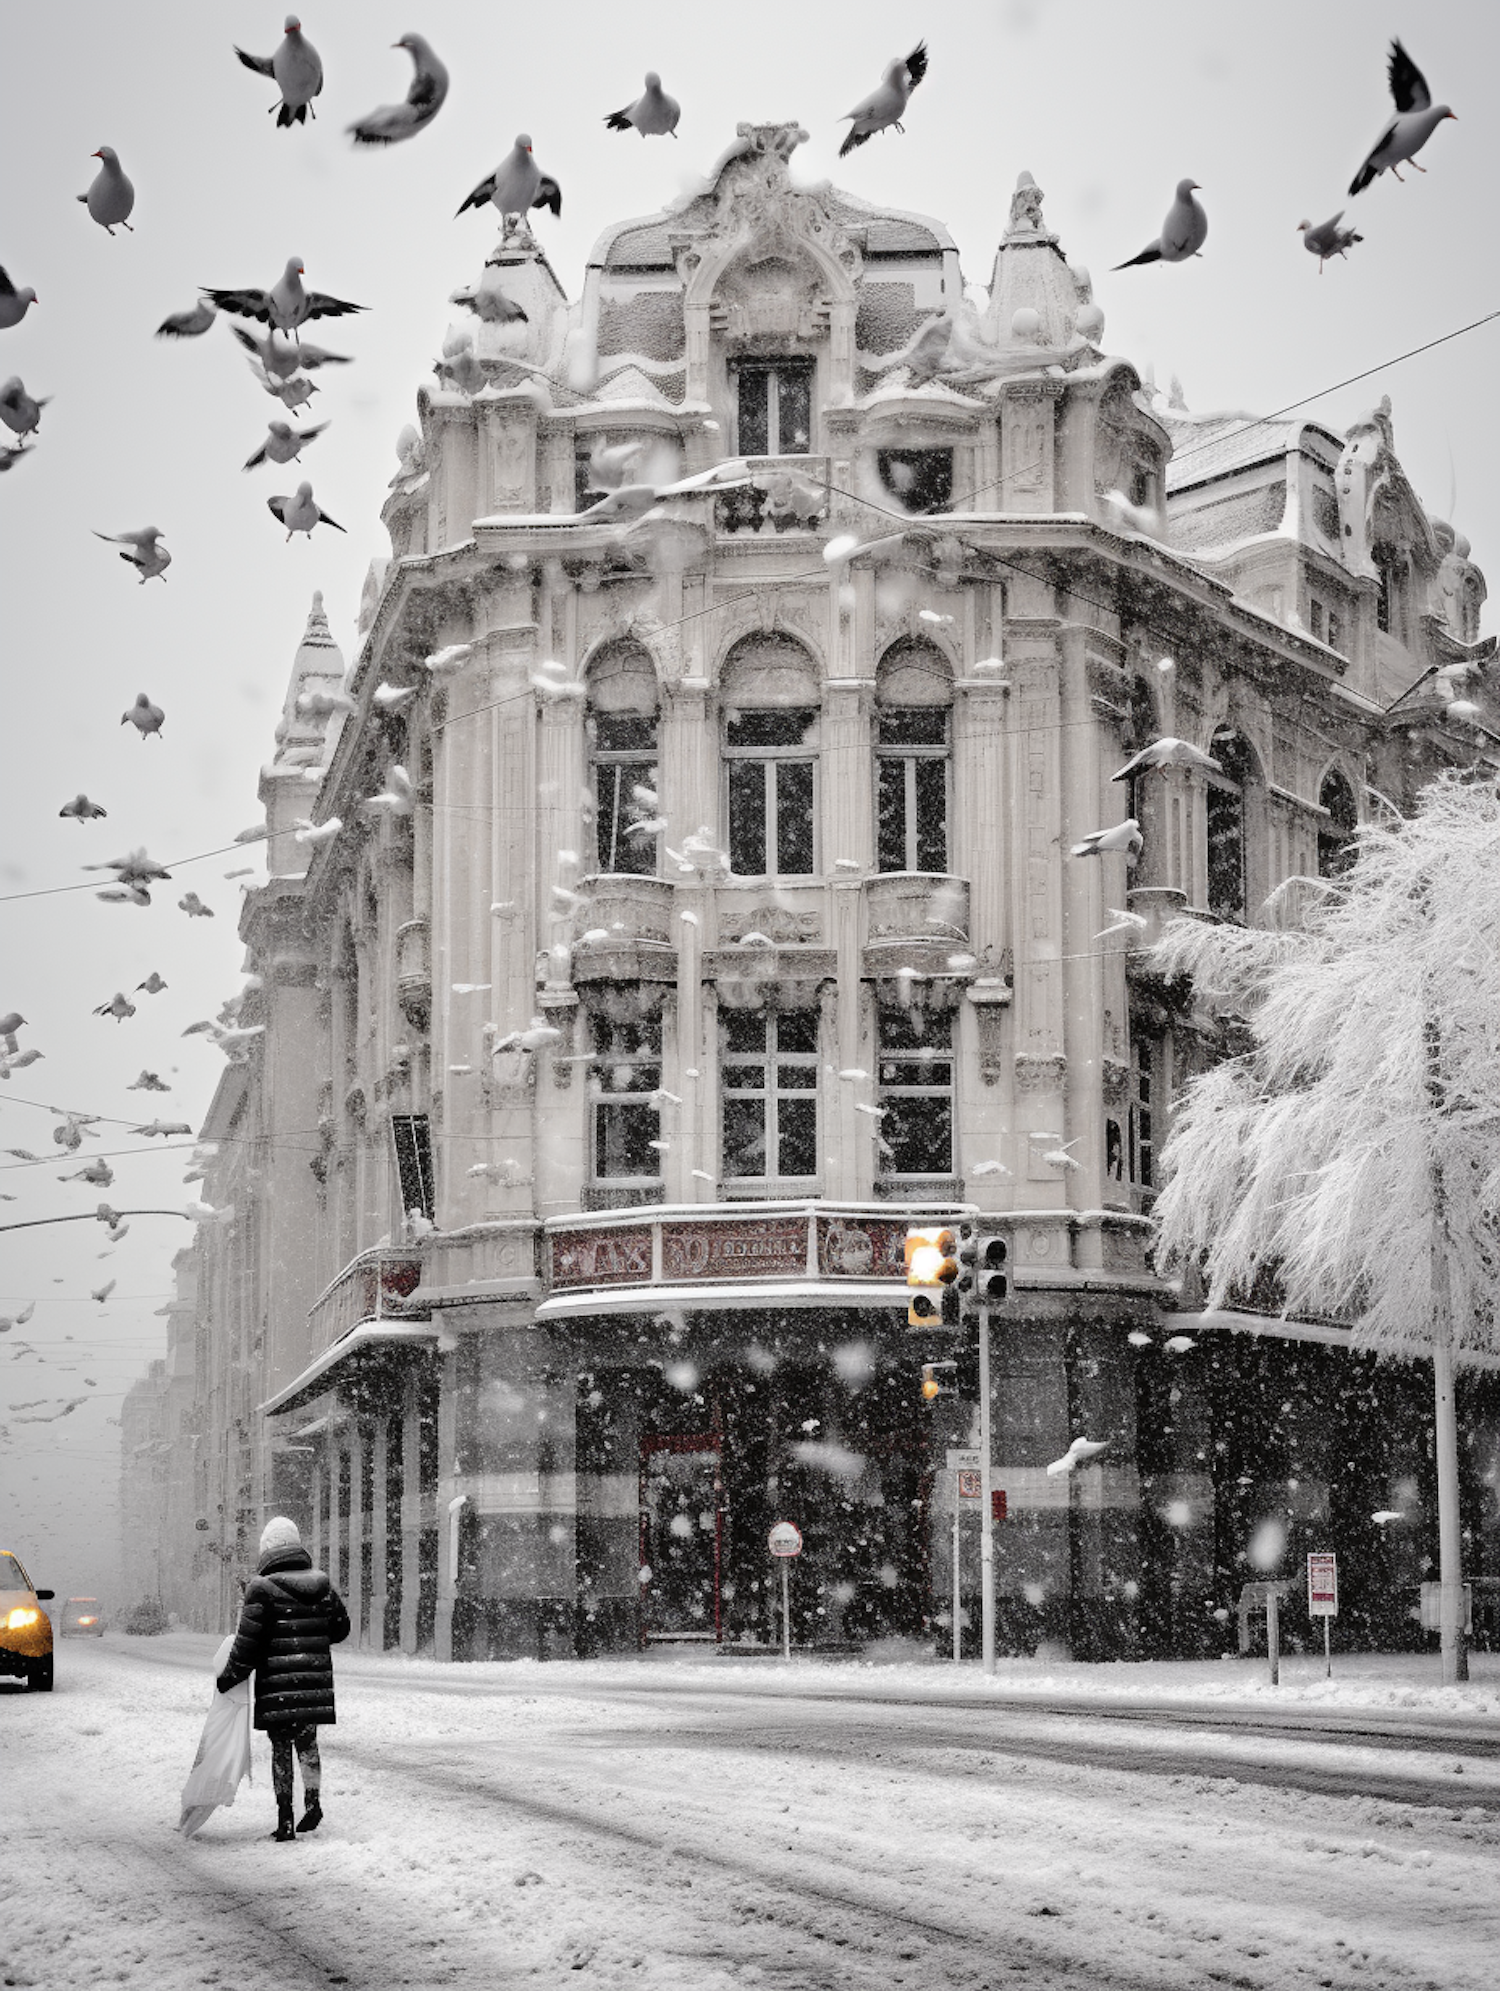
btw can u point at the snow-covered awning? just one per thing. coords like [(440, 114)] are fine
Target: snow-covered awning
[(373, 1341), (736, 1296)]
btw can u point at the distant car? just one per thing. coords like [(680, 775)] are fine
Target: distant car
[(81, 1617), (25, 1628)]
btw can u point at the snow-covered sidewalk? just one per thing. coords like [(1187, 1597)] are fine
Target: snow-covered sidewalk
[(706, 1823)]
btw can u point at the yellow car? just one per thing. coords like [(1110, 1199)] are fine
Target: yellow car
[(25, 1628)]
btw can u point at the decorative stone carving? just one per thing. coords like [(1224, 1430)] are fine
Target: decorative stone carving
[(778, 923), (1364, 471), (1044, 1073), (1116, 1084), (414, 972), (628, 908), (990, 1017), (1026, 220), (917, 905)]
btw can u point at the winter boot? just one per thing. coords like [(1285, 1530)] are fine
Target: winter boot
[(312, 1818), (285, 1829)]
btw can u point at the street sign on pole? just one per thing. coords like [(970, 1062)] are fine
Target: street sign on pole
[(785, 1542), (1323, 1598), (963, 1458), (785, 1539), (970, 1484)]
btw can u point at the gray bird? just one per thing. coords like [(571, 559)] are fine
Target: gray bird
[(882, 109), (14, 304), (81, 809), (653, 115), (153, 984), (8, 456), (119, 1007), (101, 1293), (125, 895), (163, 1127), (296, 69), (147, 555), (283, 443), (390, 123), (517, 184), (1166, 753), (1124, 836), (1328, 239), (10, 1023), (148, 1082), (292, 394), (110, 197), (147, 719), (194, 907), (20, 411), (188, 324), (280, 361), (460, 367), (1416, 119), (488, 301), (300, 513), (286, 305), (1183, 233), (137, 867)]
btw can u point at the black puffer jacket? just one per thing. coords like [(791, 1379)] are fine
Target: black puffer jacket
[(291, 1616)]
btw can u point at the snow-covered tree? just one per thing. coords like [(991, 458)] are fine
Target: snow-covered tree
[(1352, 1151)]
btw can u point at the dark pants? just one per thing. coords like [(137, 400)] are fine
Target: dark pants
[(306, 1741)]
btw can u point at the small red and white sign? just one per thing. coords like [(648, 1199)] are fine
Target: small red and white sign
[(785, 1539), (1322, 1585), (970, 1485)]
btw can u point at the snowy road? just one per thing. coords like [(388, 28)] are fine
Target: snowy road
[(608, 1826)]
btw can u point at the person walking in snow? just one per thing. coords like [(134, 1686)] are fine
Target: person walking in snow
[(291, 1617)]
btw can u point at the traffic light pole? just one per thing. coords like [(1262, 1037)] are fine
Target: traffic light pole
[(987, 1508)]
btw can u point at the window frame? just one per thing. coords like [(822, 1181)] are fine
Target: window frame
[(772, 758), (411, 1143), (607, 1101), (1141, 1108), (906, 755), (771, 1092), (924, 1091), (623, 759), (773, 369)]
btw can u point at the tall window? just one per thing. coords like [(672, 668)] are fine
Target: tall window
[(1224, 803), (916, 1093), (625, 1077), (622, 734), (775, 406), (769, 1076), (914, 690), (1140, 1143), (1336, 849), (412, 1139), (772, 761), (920, 480)]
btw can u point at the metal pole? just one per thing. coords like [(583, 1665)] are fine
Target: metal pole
[(957, 1593), (786, 1607), (987, 1506), (1450, 1541), (1327, 1651), (1273, 1633)]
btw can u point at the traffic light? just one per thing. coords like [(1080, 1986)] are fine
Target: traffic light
[(939, 1379), (931, 1266), (958, 1296), (993, 1272)]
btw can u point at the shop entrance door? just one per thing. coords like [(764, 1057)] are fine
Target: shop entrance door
[(682, 1527)]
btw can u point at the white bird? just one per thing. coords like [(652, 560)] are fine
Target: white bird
[(194, 907), (1385, 1515), (102, 1293), (21, 412), (1328, 239), (81, 809), (110, 198), (1416, 119), (452, 657), (300, 512), (144, 716), (286, 305), (283, 443), (1166, 753), (517, 184), (989, 1168), (1124, 836), (391, 698), (1183, 233), (318, 704), (292, 394), (537, 1033), (163, 1127), (489, 301), (14, 304), (653, 115), (18, 1062), (1078, 1454), (148, 556), (882, 109), (390, 123), (296, 68), (148, 1082), (398, 798), (1179, 1344), (1124, 922), (279, 361), (316, 833), (188, 324)]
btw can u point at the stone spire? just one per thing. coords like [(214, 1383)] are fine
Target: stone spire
[(1036, 297), (303, 740)]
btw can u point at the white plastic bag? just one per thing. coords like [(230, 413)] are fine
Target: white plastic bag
[(223, 1753)]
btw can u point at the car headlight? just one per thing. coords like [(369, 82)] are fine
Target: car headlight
[(20, 1618), (88, 1621)]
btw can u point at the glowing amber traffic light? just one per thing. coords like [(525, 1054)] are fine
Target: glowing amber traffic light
[(931, 1267)]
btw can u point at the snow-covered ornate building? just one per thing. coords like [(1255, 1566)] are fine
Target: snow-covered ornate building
[(760, 636)]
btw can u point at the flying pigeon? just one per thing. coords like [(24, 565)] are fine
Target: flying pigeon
[(163, 1127), (153, 984), (390, 698), (1124, 836), (292, 394), (653, 115), (148, 556), (390, 123), (10, 1023), (296, 69), (125, 895), (516, 184), (282, 443), (148, 1082), (110, 197), (1078, 1454), (18, 1063), (14, 304), (19, 411), (81, 809), (882, 109), (317, 704), (1416, 119), (118, 1006), (102, 1293), (1165, 753), (300, 513), (1328, 239), (460, 367), (286, 305), (280, 360), (98, 1173), (8, 456), (452, 657), (398, 798), (1385, 1515), (188, 324), (306, 831), (137, 868), (488, 301), (194, 907), (146, 718), (1183, 233)]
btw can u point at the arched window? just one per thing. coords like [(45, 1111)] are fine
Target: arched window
[(913, 703), (1336, 847), (769, 698), (1224, 804), (622, 739)]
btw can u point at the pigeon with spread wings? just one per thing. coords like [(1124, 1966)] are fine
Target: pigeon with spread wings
[(882, 109), (1416, 119)]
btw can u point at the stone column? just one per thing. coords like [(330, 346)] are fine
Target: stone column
[(379, 1582), (358, 1521), (447, 1487), (411, 1513)]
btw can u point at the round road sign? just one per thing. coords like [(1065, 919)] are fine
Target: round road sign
[(785, 1539)]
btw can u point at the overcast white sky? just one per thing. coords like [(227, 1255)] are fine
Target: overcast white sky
[(1271, 108)]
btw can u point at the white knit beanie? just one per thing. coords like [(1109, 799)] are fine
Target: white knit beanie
[(279, 1534)]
